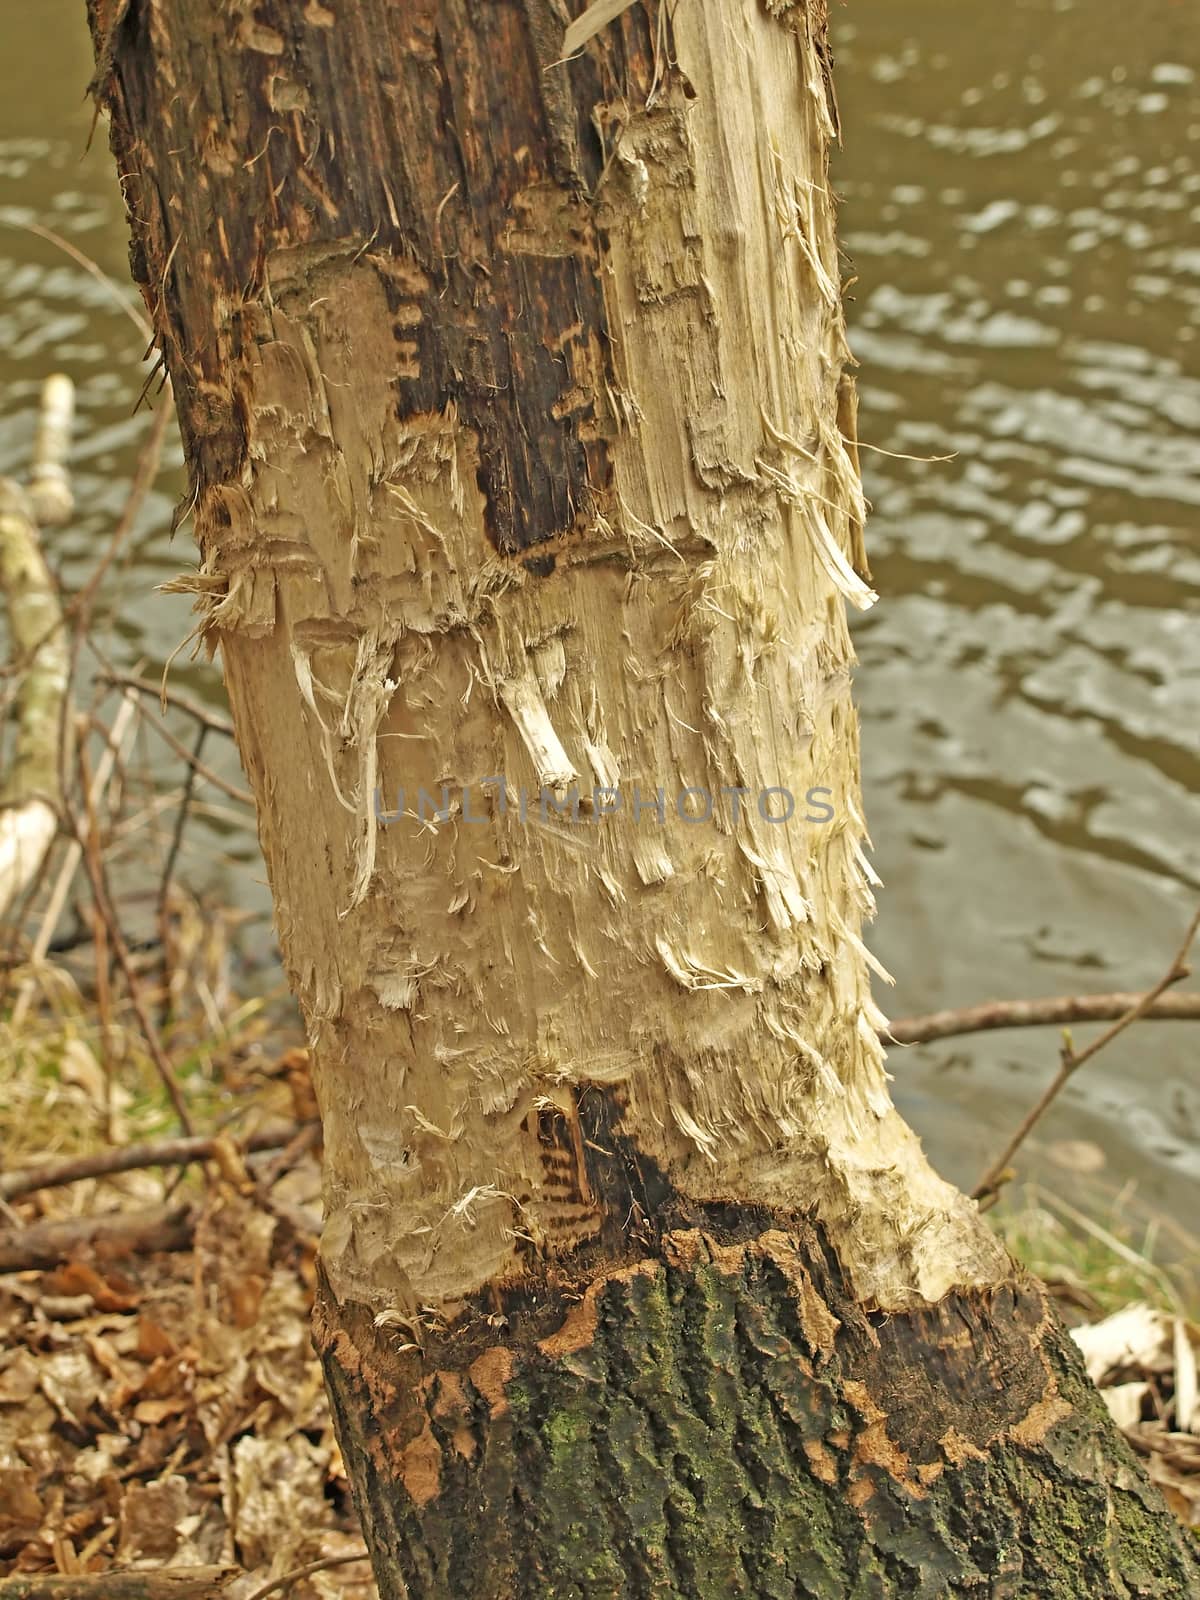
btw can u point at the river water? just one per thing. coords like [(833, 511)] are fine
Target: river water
[(1021, 212)]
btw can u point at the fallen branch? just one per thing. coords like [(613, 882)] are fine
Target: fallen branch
[(1059, 1011), (137, 1157), (117, 1233), (157, 1583), (1071, 1060)]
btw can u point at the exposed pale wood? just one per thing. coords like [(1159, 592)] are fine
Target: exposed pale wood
[(589, 23), (521, 455)]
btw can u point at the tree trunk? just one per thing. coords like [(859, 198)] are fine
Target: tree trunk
[(515, 397)]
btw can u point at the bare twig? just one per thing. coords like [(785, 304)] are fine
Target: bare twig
[(97, 272), (1057, 1011), (137, 1157), (291, 1215), (212, 720), (103, 967), (91, 843), (295, 1575), (168, 872), (144, 474), (157, 1583), (73, 856), (242, 796), (82, 606), (307, 1136), (1071, 1060), (120, 950), (80, 611)]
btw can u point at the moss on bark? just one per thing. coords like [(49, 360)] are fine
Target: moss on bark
[(721, 1419)]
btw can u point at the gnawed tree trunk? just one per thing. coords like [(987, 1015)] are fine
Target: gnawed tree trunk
[(515, 397)]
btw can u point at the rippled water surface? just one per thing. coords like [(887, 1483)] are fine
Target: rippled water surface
[(1021, 213), (1021, 206)]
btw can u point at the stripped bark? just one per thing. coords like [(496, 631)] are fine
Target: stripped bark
[(514, 394)]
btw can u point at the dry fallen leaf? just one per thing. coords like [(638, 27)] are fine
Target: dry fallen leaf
[(1125, 1401), (1156, 1355), (153, 1411), (150, 1518), (20, 1506), (1187, 1413), (113, 1293), (280, 1495), (1136, 1336), (153, 1341)]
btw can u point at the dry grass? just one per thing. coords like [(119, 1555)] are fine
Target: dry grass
[(1106, 1257)]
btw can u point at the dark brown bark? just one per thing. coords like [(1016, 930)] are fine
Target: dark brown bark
[(324, 126), (721, 1419)]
